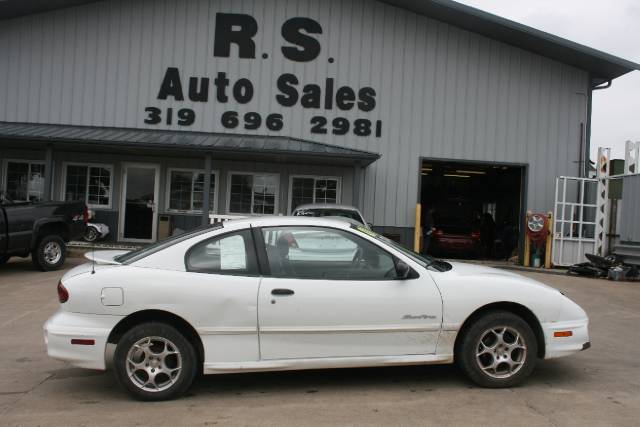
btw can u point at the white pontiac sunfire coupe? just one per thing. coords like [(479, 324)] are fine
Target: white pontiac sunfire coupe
[(279, 293)]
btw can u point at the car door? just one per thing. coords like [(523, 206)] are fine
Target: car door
[(332, 293), (222, 281)]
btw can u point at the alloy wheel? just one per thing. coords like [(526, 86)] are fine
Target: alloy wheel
[(52, 252), (501, 352), (154, 364)]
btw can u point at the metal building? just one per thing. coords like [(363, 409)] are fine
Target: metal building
[(129, 105)]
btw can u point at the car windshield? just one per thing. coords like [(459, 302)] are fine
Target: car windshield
[(423, 260), (161, 244), (322, 212)]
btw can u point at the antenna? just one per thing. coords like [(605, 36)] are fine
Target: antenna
[(93, 258)]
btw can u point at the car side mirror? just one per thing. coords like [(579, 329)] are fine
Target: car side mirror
[(403, 270)]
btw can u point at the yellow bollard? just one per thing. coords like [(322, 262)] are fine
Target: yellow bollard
[(418, 230), (527, 243), (548, 249)]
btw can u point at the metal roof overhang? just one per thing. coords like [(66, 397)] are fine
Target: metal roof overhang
[(602, 66), (184, 143)]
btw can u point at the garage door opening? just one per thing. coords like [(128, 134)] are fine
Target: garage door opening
[(474, 210)]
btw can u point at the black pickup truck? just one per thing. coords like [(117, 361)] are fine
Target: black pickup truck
[(40, 229)]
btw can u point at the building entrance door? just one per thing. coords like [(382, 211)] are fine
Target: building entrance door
[(138, 213)]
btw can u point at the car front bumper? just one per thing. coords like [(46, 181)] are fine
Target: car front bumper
[(79, 339), (560, 346)]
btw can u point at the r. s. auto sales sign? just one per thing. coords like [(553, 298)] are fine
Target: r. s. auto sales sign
[(300, 44)]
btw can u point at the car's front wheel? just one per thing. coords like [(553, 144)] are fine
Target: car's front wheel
[(498, 350), (154, 361)]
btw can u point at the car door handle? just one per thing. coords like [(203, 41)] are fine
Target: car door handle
[(280, 291)]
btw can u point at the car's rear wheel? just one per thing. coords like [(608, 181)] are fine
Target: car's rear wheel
[(154, 361), (49, 253), (498, 350)]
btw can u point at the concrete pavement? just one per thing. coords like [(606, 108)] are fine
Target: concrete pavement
[(600, 386)]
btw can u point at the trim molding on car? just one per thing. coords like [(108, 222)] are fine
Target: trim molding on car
[(325, 362), (348, 329), (228, 330), (450, 326)]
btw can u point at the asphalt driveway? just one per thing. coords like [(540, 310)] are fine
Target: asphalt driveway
[(600, 386)]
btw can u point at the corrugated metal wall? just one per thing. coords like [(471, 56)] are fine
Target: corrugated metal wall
[(630, 214), (441, 92)]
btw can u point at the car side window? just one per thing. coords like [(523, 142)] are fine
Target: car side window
[(325, 253), (231, 253)]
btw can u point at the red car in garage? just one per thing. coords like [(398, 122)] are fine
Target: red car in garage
[(455, 239)]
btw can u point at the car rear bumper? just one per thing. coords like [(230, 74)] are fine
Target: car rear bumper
[(79, 339), (559, 346)]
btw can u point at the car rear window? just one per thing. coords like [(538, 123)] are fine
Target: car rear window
[(133, 256), (344, 213)]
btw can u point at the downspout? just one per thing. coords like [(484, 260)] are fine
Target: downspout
[(587, 150)]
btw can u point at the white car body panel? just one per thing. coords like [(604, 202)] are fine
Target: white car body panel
[(321, 319), (325, 324)]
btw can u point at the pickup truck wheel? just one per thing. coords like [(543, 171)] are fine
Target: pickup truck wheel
[(50, 253)]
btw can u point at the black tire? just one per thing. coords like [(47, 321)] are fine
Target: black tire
[(91, 235), (136, 384), (50, 253), (470, 345)]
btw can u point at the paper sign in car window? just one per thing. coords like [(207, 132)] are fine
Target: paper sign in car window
[(232, 253)]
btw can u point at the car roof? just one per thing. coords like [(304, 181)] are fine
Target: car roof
[(326, 206), (275, 221)]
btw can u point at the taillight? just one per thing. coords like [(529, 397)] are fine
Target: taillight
[(85, 214), (438, 233), (475, 234), (63, 293)]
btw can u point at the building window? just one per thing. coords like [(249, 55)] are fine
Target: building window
[(253, 193), (186, 191), (88, 183), (314, 189), (24, 180)]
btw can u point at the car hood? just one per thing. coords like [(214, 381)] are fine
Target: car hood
[(464, 269)]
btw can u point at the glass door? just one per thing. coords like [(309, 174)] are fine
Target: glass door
[(138, 214)]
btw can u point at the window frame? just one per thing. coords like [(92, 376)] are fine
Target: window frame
[(194, 172), (263, 257), (29, 162), (315, 178), (276, 204), (107, 166), (250, 252)]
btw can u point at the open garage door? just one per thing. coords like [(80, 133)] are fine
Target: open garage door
[(474, 209)]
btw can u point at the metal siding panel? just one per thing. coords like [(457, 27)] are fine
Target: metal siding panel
[(441, 91), (4, 69), (46, 70), (630, 226), (23, 66)]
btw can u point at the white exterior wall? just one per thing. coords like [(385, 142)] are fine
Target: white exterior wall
[(442, 92)]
